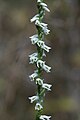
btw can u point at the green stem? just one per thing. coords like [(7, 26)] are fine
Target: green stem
[(40, 53)]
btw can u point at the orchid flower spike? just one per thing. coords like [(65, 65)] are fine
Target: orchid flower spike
[(37, 59)]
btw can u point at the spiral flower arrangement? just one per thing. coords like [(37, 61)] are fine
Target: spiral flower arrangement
[(37, 59)]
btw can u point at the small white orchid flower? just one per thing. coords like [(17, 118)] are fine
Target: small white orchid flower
[(33, 98), (34, 39), (33, 58), (34, 54), (33, 76), (37, 22), (46, 68), (46, 31), (43, 46), (38, 106), (47, 86), (43, 26), (44, 117), (40, 63), (36, 17), (40, 43), (46, 48), (43, 5), (39, 81)]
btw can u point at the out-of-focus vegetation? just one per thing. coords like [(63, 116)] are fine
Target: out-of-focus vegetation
[(15, 86)]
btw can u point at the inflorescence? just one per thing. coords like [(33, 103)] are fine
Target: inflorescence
[(37, 59)]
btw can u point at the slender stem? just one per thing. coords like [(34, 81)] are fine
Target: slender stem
[(40, 52)]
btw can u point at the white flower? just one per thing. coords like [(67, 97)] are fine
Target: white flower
[(34, 39), (33, 76), (47, 86), (43, 5), (43, 46), (46, 68), (36, 17), (46, 31), (39, 81), (43, 26), (40, 43), (44, 117), (33, 57), (38, 106), (34, 54), (38, 23), (33, 98), (46, 48), (42, 64)]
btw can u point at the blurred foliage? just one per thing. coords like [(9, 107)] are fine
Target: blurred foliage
[(15, 46)]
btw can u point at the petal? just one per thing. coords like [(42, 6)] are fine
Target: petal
[(45, 8), (36, 17), (43, 4)]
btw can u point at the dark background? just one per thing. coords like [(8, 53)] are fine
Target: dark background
[(63, 103)]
